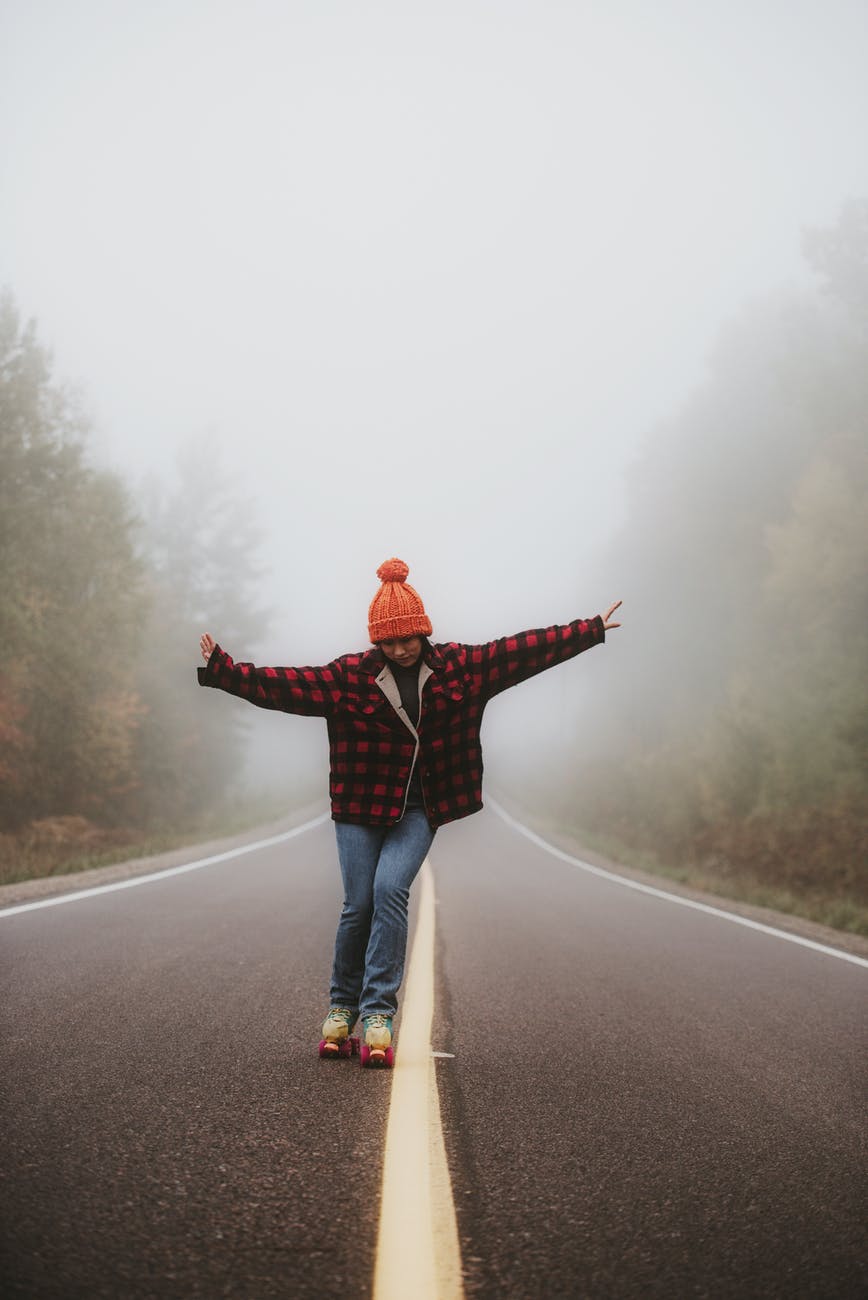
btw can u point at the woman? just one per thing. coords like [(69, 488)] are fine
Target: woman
[(405, 757)]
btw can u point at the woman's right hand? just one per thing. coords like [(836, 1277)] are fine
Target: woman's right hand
[(207, 645)]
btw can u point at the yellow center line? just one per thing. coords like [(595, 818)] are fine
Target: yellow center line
[(417, 1245)]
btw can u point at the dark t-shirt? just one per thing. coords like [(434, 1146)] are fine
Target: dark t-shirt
[(408, 684)]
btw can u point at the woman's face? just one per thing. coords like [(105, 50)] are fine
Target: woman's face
[(404, 651)]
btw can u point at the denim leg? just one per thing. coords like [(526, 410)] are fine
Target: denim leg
[(358, 853), (403, 851)]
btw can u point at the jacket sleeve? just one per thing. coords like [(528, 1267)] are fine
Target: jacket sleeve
[(512, 659), (310, 691)]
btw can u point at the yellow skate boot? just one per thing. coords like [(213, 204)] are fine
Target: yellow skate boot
[(377, 1049), (337, 1040)]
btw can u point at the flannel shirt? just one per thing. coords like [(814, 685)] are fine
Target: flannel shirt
[(371, 750)]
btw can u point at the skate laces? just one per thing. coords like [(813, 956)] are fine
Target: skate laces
[(342, 1014), (376, 1022)]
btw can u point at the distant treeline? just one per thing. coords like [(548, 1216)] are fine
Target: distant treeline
[(729, 729), (101, 607)]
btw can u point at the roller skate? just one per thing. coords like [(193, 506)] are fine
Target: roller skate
[(377, 1049), (337, 1041)]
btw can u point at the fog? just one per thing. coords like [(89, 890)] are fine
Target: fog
[(424, 280)]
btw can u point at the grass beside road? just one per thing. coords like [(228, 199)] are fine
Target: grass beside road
[(837, 910)]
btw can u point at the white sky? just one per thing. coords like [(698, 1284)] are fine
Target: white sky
[(427, 272)]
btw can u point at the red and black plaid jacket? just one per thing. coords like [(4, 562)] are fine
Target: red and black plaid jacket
[(371, 749)]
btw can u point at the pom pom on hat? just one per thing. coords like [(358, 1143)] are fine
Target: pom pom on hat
[(393, 571), (397, 610)]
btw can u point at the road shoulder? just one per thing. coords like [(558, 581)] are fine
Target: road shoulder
[(31, 891), (855, 944)]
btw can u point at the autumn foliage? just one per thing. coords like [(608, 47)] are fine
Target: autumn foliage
[(101, 726)]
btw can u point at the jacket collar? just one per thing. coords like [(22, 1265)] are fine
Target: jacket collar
[(373, 661), (433, 657)]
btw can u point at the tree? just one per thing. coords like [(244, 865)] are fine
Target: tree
[(70, 601), (742, 729), (840, 256), (200, 540)]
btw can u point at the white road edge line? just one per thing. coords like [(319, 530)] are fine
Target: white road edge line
[(417, 1245), (670, 898), (132, 881)]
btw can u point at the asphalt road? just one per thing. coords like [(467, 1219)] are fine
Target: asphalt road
[(640, 1100), (644, 1100), (168, 1128)]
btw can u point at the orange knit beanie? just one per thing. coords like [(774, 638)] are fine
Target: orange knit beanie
[(397, 609)]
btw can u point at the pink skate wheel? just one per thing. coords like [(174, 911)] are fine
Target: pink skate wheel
[(381, 1059), (338, 1051)]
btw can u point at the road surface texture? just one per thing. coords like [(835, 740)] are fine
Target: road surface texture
[(644, 1100), (640, 1100)]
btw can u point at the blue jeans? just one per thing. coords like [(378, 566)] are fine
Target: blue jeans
[(378, 866)]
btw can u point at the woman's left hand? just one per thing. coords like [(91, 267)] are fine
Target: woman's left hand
[(607, 616)]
